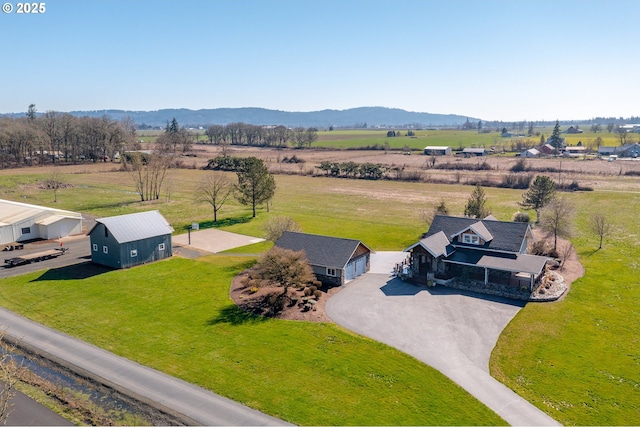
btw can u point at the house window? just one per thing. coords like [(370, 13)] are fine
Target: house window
[(26, 230), (332, 272), (471, 238), (95, 247), (106, 232), (105, 249), (161, 247)]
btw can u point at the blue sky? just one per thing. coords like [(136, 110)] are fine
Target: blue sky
[(494, 60)]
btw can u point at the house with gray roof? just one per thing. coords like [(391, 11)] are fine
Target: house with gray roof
[(484, 253), (334, 260), (127, 240)]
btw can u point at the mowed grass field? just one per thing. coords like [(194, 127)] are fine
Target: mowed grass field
[(177, 316), (577, 359)]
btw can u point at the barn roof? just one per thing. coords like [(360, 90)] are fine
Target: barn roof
[(136, 226), (324, 251)]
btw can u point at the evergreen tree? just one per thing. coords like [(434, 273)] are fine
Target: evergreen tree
[(475, 207), (539, 194), (255, 184), (556, 139)]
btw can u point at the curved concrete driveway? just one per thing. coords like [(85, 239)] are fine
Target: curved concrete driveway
[(451, 331)]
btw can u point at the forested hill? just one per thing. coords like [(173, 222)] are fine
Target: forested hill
[(354, 117)]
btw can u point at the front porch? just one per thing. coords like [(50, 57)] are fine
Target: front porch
[(515, 276)]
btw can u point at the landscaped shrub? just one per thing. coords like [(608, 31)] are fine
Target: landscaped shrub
[(521, 217), (317, 294)]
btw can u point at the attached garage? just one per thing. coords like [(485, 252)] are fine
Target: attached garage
[(20, 222), (334, 260)]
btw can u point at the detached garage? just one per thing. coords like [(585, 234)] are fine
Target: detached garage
[(127, 240), (20, 222), (334, 260)]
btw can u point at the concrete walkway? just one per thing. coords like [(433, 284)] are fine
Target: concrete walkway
[(451, 331), (174, 395)]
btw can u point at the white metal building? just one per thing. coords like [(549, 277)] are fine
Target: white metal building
[(20, 222)]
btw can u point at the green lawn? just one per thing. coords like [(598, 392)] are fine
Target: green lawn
[(176, 316), (579, 359)]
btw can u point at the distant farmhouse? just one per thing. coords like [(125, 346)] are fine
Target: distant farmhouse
[(573, 130), (532, 152), (20, 222), (127, 240), (547, 149), (334, 260), (629, 150), (483, 254), (436, 150)]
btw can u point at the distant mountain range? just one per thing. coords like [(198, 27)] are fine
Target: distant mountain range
[(354, 117)]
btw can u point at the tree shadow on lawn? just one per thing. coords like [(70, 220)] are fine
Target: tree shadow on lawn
[(234, 315), (225, 222), (83, 270)]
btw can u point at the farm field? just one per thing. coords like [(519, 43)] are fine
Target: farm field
[(577, 359)]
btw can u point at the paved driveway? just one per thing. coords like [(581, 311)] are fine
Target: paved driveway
[(452, 331)]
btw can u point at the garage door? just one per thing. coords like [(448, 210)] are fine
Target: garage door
[(355, 268)]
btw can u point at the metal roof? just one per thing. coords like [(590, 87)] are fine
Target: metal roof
[(13, 212), (324, 251), (136, 226)]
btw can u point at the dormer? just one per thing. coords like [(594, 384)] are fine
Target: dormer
[(475, 234)]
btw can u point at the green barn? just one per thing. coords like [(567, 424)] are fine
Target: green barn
[(127, 240)]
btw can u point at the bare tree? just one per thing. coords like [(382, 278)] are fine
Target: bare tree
[(148, 173), (440, 209), (275, 227), (557, 218), (214, 189), (566, 253), (10, 373), (601, 226), (54, 183)]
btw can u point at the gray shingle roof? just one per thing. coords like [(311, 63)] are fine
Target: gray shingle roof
[(325, 251), (137, 226), (437, 244), (507, 236)]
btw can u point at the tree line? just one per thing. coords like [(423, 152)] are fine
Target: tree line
[(55, 137), (263, 136)]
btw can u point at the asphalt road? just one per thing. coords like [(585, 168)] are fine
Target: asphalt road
[(25, 411), (174, 395), (452, 331)]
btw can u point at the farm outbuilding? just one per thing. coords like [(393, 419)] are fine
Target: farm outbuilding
[(127, 240), (20, 222), (474, 152), (334, 260), (436, 150)]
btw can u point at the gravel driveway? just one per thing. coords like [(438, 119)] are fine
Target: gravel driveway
[(450, 330)]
